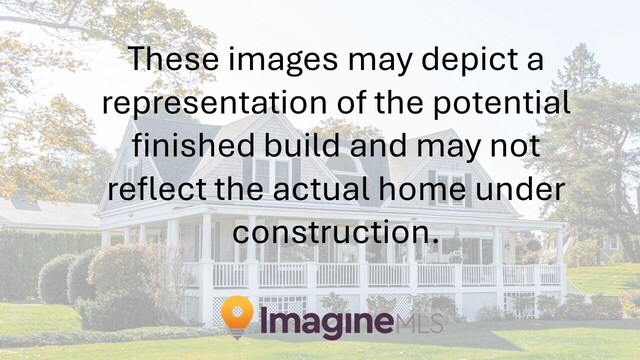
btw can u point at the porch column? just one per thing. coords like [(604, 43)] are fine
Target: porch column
[(142, 234), (497, 262), (127, 235), (205, 285), (252, 266), (105, 239), (411, 255), (364, 269), (173, 232), (497, 246)]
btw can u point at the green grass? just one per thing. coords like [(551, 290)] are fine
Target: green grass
[(500, 340), (608, 279), (25, 320)]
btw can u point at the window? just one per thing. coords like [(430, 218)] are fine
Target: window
[(132, 171), (442, 196), (614, 244), (344, 164), (269, 172)]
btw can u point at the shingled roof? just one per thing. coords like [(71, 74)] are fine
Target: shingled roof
[(22, 213)]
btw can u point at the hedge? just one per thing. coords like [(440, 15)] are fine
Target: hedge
[(94, 337), (22, 255)]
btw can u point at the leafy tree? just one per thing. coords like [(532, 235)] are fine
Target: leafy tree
[(346, 129), (56, 134), (594, 151)]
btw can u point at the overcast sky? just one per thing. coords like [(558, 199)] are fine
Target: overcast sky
[(610, 30)]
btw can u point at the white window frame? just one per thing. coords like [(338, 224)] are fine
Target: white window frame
[(616, 241), (130, 173), (450, 202), (272, 172)]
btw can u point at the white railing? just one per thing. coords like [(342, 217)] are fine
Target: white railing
[(229, 275), (436, 275), (478, 275), (514, 275), (550, 275), (282, 275), (338, 275), (388, 275)]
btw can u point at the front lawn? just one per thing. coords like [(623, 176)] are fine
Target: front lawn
[(25, 320), (500, 340), (608, 279)]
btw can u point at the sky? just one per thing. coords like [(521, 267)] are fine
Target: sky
[(610, 30)]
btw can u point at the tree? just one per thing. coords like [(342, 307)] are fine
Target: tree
[(594, 151), (580, 73), (346, 129), (56, 134)]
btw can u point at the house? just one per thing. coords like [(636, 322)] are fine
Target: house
[(20, 213), (473, 263)]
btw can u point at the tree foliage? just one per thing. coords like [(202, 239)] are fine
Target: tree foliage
[(594, 150), (37, 138)]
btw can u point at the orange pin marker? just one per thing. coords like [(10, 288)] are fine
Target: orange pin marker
[(237, 313)]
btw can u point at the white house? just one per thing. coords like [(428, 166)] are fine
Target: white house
[(473, 262)]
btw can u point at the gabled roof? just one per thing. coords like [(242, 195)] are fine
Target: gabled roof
[(19, 212), (175, 169), (401, 167)]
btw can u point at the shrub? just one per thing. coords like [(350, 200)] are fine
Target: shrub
[(489, 313), (575, 308), (631, 303), (378, 304), (447, 307), (118, 310), (582, 253), (606, 307), (547, 306), (52, 282), (523, 306), (616, 258), (119, 268), (19, 279), (77, 284), (334, 303)]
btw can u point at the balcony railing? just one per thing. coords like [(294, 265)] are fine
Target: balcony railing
[(518, 275)]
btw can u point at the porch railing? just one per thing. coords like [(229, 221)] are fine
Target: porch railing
[(338, 275), (388, 275), (230, 275), (282, 275), (550, 275), (327, 275), (478, 275), (518, 275), (436, 275)]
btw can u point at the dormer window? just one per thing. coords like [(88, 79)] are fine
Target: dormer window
[(269, 172), (132, 170), (344, 164)]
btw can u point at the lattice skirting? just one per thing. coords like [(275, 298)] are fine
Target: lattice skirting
[(472, 302), (510, 307)]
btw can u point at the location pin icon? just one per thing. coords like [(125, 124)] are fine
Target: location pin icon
[(237, 313)]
